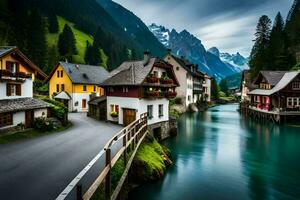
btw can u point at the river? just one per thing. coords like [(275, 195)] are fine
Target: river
[(220, 155)]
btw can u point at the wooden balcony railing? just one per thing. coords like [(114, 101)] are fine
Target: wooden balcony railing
[(8, 75)]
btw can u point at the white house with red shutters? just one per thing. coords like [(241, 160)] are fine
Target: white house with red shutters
[(138, 87)]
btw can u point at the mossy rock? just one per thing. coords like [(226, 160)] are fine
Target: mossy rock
[(151, 161)]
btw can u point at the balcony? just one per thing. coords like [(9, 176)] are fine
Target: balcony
[(156, 94), (153, 80), (17, 76)]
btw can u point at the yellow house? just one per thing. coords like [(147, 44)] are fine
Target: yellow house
[(75, 83)]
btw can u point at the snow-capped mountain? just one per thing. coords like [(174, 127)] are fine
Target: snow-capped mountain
[(187, 45), (236, 60)]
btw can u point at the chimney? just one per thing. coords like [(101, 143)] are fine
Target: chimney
[(147, 56), (169, 52), (77, 66)]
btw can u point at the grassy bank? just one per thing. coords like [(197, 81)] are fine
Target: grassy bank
[(29, 134)]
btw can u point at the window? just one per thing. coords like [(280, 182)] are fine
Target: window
[(83, 103), (12, 66), (161, 110), (62, 87), (293, 102), (125, 89), (57, 87), (58, 74), (62, 73), (6, 119), (164, 74), (296, 85), (95, 88), (155, 73), (189, 98), (84, 88), (13, 90), (114, 108), (150, 111)]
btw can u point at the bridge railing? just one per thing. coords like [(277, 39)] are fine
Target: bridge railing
[(98, 171)]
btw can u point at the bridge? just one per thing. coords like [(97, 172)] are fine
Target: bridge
[(124, 144)]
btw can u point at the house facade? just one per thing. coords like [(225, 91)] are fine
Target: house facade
[(73, 84), (189, 78), (278, 94), (17, 105), (207, 88), (138, 87)]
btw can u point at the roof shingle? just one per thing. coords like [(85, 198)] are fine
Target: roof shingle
[(22, 104)]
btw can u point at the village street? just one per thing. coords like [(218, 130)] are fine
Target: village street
[(41, 168)]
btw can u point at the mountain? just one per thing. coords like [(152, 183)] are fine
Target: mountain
[(187, 45), (134, 27), (236, 60)]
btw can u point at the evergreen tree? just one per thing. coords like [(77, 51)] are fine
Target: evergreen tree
[(259, 55), (224, 86), (88, 57), (214, 89), (67, 43), (53, 23), (53, 58), (293, 25), (36, 38), (278, 53)]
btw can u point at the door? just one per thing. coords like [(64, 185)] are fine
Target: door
[(83, 103), (29, 116), (129, 116)]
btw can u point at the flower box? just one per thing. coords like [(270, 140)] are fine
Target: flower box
[(166, 81), (171, 94), (152, 79), (153, 94)]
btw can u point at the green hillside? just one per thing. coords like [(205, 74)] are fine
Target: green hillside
[(81, 38)]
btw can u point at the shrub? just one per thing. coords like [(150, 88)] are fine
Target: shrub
[(59, 110), (178, 101), (43, 124)]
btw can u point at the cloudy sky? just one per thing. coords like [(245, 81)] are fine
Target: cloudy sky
[(227, 24)]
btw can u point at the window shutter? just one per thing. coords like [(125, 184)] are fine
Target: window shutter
[(8, 90), (17, 67), (8, 66), (18, 90)]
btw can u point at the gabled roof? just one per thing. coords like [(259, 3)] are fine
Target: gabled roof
[(22, 104), (247, 78), (63, 95), (10, 50), (83, 74), (287, 78), (134, 72), (272, 77), (187, 65)]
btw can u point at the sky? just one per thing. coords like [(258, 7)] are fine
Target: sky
[(226, 24)]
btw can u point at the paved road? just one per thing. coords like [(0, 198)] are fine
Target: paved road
[(39, 169)]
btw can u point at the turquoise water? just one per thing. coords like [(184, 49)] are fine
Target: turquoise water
[(220, 155)]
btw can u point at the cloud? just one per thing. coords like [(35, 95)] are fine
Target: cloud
[(229, 25)]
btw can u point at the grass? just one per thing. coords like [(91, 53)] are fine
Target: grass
[(81, 38), (29, 134), (151, 153)]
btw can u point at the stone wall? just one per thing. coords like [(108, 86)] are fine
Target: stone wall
[(163, 130)]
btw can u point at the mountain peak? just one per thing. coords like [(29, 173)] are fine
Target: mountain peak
[(215, 51)]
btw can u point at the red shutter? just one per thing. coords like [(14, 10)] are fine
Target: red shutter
[(18, 90), (8, 90)]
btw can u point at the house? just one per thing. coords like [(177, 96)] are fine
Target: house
[(17, 105), (190, 79), (207, 88), (246, 86), (278, 93), (138, 87), (74, 83)]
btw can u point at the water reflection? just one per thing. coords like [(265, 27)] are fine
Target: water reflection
[(221, 155)]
